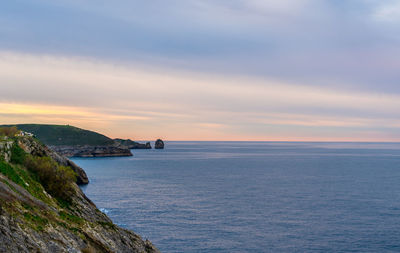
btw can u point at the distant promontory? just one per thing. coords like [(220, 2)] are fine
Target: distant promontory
[(71, 141)]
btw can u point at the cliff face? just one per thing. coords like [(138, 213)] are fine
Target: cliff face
[(92, 151), (5, 148), (132, 144), (33, 218)]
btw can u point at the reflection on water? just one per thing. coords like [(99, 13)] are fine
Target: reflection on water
[(254, 196)]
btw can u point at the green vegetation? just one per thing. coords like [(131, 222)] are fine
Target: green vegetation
[(58, 135), (32, 185), (36, 175), (56, 180), (17, 154), (71, 218), (9, 171), (38, 221), (107, 224), (47, 181), (25, 179), (9, 185)]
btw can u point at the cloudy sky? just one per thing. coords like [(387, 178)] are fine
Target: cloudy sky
[(296, 70)]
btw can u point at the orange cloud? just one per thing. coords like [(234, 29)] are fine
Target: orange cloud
[(142, 103)]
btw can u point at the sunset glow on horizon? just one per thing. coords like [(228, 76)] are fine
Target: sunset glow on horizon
[(246, 74)]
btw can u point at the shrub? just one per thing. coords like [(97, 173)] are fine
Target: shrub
[(8, 131), (17, 154), (56, 180)]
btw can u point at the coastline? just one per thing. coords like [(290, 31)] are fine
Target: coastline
[(42, 209), (92, 151)]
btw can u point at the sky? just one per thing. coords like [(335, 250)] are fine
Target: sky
[(256, 70)]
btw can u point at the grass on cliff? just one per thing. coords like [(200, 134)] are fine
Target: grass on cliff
[(59, 135), (57, 180), (25, 179), (37, 221), (33, 186), (9, 171), (49, 182), (17, 154), (33, 216), (35, 173)]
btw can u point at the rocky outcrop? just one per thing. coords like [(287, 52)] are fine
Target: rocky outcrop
[(32, 220), (147, 145), (92, 151), (28, 224), (31, 146), (159, 144), (132, 144), (5, 148), (71, 141)]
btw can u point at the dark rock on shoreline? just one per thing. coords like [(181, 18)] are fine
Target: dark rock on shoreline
[(72, 141), (159, 144), (132, 144), (92, 151), (147, 145)]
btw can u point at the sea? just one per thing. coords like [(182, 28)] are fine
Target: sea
[(254, 196)]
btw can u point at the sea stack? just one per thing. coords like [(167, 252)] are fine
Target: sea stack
[(159, 144), (148, 145)]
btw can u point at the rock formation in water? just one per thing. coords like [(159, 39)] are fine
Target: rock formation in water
[(39, 215), (159, 144)]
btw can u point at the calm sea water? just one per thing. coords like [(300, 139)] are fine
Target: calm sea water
[(255, 196)]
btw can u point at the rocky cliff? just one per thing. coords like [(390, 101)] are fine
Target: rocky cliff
[(72, 141), (132, 144), (37, 216), (92, 151)]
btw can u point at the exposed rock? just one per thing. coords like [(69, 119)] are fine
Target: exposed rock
[(132, 144), (91, 230), (159, 144), (148, 145), (31, 220), (5, 148), (92, 151)]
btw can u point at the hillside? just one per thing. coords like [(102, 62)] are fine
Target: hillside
[(65, 135), (43, 210), (71, 141)]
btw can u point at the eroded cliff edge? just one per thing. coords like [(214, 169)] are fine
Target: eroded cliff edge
[(36, 215)]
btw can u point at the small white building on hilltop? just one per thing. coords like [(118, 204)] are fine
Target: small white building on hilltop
[(22, 133)]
